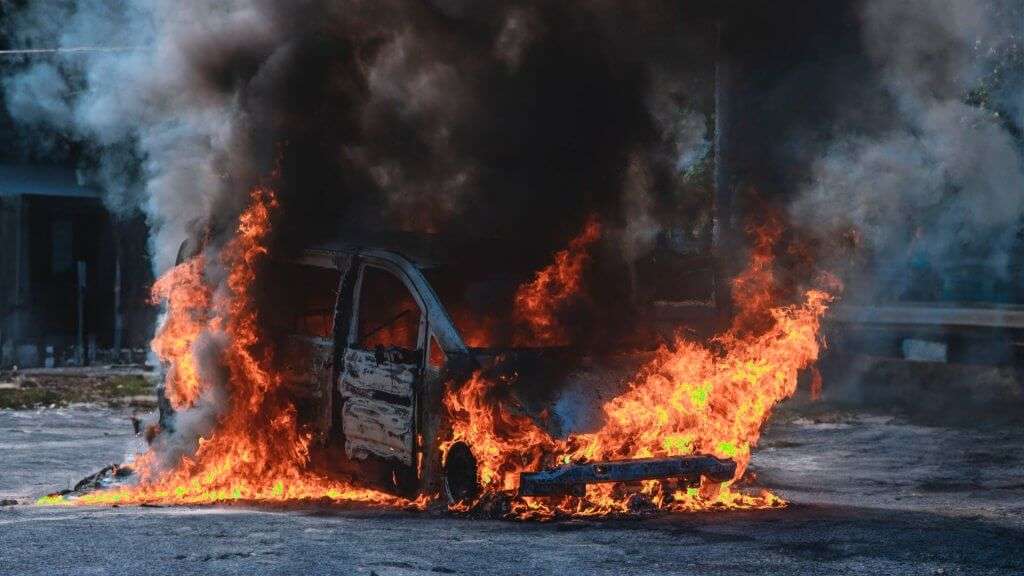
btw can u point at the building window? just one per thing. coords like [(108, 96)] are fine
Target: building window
[(62, 239)]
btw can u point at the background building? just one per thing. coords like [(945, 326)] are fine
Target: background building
[(73, 278)]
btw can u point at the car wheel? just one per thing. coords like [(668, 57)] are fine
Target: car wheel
[(460, 474)]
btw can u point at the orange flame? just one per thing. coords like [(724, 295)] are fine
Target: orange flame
[(256, 450), (188, 300), (503, 443), (689, 399), (538, 302)]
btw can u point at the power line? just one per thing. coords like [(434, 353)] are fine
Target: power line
[(76, 50)]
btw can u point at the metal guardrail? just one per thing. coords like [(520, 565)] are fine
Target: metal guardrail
[(1007, 317)]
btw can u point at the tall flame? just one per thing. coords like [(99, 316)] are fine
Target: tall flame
[(504, 444), (188, 300), (538, 302), (256, 451)]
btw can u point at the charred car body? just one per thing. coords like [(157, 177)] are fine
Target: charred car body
[(367, 350)]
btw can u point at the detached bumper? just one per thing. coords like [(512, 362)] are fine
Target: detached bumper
[(572, 479)]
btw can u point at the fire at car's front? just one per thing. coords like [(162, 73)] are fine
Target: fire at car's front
[(681, 434)]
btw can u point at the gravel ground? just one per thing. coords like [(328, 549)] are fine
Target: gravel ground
[(871, 495)]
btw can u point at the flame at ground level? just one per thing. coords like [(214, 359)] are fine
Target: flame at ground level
[(687, 400), (256, 451)]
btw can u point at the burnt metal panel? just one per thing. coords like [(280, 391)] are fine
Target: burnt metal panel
[(370, 428), (1009, 317), (572, 479), (307, 369), (364, 375), (378, 407), (373, 427)]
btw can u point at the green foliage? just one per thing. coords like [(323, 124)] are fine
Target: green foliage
[(28, 397), (61, 391)]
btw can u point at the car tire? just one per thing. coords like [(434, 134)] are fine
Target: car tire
[(460, 474)]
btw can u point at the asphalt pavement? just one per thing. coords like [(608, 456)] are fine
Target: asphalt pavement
[(871, 494)]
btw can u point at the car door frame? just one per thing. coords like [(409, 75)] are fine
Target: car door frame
[(434, 322)]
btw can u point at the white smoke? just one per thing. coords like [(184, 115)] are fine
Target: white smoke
[(162, 142), (942, 182), (160, 138)]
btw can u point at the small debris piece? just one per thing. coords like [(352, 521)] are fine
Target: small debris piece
[(640, 504), (104, 478)]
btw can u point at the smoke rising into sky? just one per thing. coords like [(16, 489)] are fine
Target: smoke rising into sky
[(418, 115), (448, 115), (937, 183)]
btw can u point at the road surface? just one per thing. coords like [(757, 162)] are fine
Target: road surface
[(871, 494)]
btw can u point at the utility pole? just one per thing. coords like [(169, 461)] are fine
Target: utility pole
[(723, 241), (80, 353), (118, 316)]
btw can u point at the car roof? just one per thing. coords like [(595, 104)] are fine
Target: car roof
[(423, 252)]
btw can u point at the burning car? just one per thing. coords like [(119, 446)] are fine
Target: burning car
[(337, 373), (375, 363)]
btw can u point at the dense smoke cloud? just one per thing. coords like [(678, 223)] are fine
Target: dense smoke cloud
[(936, 183), (488, 120), (416, 115)]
